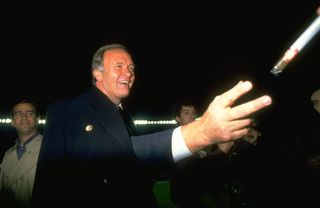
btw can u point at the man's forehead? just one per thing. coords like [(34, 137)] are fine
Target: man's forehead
[(23, 106), (185, 107)]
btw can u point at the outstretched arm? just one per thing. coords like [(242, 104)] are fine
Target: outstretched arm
[(223, 122)]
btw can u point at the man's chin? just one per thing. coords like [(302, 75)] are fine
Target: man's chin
[(124, 95)]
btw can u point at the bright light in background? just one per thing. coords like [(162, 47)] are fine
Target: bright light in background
[(5, 121), (159, 122), (8, 121), (42, 121)]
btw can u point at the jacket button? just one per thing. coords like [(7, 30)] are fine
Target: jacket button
[(89, 128)]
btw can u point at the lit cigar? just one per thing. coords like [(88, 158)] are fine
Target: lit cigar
[(297, 46)]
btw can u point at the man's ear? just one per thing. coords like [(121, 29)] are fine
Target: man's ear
[(177, 119), (12, 123), (97, 75)]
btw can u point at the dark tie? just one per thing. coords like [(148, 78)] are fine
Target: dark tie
[(128, 121), (21, 149)]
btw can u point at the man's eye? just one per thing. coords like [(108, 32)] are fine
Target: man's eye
[(131, 68), (18, 114)]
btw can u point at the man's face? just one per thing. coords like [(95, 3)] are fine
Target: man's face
[(187, 115), (117, 78), (315, 99), (24, 118)]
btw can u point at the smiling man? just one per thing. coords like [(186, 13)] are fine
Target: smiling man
[(89, 157)]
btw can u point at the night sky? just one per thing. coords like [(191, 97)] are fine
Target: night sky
[(196, 50)]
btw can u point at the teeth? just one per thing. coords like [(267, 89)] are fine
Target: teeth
[(124, 82)]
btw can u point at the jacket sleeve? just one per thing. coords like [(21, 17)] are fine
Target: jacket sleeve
[(154, 148)]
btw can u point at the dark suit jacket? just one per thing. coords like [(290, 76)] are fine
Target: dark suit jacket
[(88, 158)]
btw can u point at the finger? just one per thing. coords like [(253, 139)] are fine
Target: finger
[(240, 124), (250, 107), (239, 133), (229, 97)]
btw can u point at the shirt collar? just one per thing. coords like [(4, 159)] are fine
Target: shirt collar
[(17, 141)]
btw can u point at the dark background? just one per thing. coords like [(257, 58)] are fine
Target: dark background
[(194, 49), (191, 49)]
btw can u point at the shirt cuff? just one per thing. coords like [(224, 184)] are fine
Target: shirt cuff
[(178, 145)]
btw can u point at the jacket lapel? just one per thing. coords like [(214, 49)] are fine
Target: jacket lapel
[(108, 116), (27, 162)]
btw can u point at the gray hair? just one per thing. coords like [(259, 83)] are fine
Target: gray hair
[(97, 60)]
